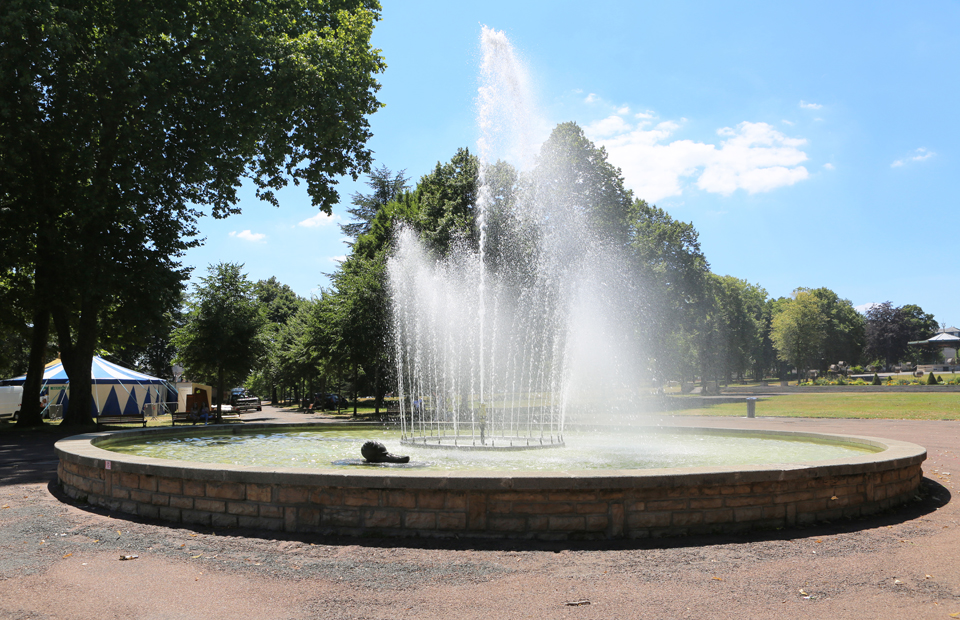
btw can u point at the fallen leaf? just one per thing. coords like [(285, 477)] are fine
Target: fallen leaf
[(68, 555), (803, 592), (196, 556), (5, 506), (834, 497), (718, 578)]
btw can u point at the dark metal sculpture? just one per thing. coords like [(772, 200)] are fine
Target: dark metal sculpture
[(376, 452)]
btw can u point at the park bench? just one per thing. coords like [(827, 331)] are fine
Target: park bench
[(184, 417), (130, 418)]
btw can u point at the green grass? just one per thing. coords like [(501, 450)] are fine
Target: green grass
[(873, 405)]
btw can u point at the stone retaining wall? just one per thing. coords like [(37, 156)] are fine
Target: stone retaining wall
[(617, 504)]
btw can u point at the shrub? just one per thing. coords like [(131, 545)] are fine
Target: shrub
[(931, 380), (876, 379)]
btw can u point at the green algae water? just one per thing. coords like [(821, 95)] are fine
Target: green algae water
[(339, 448)]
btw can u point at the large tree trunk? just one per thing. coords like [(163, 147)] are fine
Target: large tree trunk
[(77, 358), (30, 411), (356, 387), (219, 395), (377, 396)]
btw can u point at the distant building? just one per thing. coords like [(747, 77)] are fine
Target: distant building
[(949, 352)]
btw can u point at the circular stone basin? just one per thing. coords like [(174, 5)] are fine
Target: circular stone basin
[(652, 483)]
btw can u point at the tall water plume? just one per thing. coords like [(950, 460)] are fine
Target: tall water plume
[(495, 341)]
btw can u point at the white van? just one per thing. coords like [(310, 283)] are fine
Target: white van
[(10, 399)]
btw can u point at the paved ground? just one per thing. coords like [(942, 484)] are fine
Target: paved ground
[(59, 560)]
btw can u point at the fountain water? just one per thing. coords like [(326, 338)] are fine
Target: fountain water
[(492, 340)]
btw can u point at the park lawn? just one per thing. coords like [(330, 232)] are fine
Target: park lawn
[(873, 405)]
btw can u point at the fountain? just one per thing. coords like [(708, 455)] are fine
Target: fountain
[(496, 342), (500, 344)]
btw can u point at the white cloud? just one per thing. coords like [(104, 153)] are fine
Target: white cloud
[(829, 166), (320, 219), (920, 154), (592, 98), (810, 106), (752, 156), (864, 308), (610, 126), (624, 110), (647, 114), (249, 236), (786, 122)]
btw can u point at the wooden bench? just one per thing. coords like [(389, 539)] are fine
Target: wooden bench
[(132, 418), (186, 417)]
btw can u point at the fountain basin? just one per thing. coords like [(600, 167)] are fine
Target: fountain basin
[(604, 504)]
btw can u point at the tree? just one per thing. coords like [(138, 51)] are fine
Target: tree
[(219, 342), (673, 273), (446, 202), (921, 325), (386, 187), (573, 176), (118, 121), (798, 331), (741, 313), (349, 326), (281, 362), (843, 329), (887, 333)]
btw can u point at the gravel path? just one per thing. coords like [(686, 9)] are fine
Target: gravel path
[(59, 560)]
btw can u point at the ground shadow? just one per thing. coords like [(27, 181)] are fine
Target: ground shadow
[(27, 456)]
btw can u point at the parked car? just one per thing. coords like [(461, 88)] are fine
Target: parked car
[(326, 401), (242, 400), (10, 398)]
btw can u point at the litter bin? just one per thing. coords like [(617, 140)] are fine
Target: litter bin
[(751, 407)]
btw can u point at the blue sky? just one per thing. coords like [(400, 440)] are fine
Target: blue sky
[(811, 144)]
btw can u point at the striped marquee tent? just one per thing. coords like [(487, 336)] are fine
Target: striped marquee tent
[(116, 390)]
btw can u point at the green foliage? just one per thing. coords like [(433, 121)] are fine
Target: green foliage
[(117, 124), (844, 327), (671, 268), (890, 328), (798, 331), (447, 199), (876, 380), (573, 175), (386, 187), (220, 341)]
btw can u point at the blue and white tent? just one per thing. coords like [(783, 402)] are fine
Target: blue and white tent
[(116, 390)]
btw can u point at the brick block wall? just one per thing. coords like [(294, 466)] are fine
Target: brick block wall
[(640, 508)]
